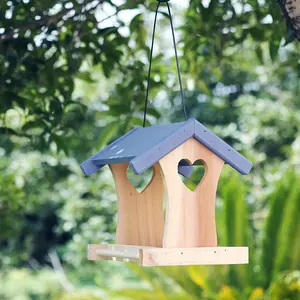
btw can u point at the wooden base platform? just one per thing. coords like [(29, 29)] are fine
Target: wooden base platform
[(153, 256)]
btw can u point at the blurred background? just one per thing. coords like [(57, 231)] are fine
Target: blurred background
[(73, 76)]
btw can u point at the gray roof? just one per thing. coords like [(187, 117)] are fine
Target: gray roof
[(142, 147)]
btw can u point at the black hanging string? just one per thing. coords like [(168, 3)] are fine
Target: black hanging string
[(150, 60)]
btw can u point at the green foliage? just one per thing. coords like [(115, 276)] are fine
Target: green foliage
[(51, 211), (30, 285), (286, 286), (80, 296), (278, 202), (288, 253), (41, 285), (11, 202), (235, 219), (43, 48)]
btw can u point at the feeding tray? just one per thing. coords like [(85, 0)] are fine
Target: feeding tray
[(184, 233), (154, 256)]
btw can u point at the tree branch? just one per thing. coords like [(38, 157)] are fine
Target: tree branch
[(46, 21), (59, 270)]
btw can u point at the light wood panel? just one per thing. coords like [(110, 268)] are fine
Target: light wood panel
[(153, 256), (190, 215), (194, 256), (140, 215)]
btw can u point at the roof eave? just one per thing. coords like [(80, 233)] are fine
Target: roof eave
[(222, 149), (92, 165)]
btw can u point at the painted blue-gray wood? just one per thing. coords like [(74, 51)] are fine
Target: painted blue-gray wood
[(166, 145), (89, 167), (185, 169), (143, 147)]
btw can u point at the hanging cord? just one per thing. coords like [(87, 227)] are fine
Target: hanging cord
[(150, 61)]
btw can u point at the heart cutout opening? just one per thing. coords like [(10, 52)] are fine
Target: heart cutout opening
[(140, 182), (191, 174)]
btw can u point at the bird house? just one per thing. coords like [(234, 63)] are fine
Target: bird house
[(167, 223)]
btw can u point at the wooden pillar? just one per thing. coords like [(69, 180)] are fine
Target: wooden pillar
[(190, 215), (140, 215)]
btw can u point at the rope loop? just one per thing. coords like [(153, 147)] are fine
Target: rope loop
[(151, 56)]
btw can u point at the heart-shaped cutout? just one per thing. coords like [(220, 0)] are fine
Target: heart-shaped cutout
[(191, 174), (140, 182)]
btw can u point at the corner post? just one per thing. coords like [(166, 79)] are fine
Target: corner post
[(190, 215), (140, 215)]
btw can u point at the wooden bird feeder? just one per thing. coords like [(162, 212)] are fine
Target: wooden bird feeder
[(184, 231)]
